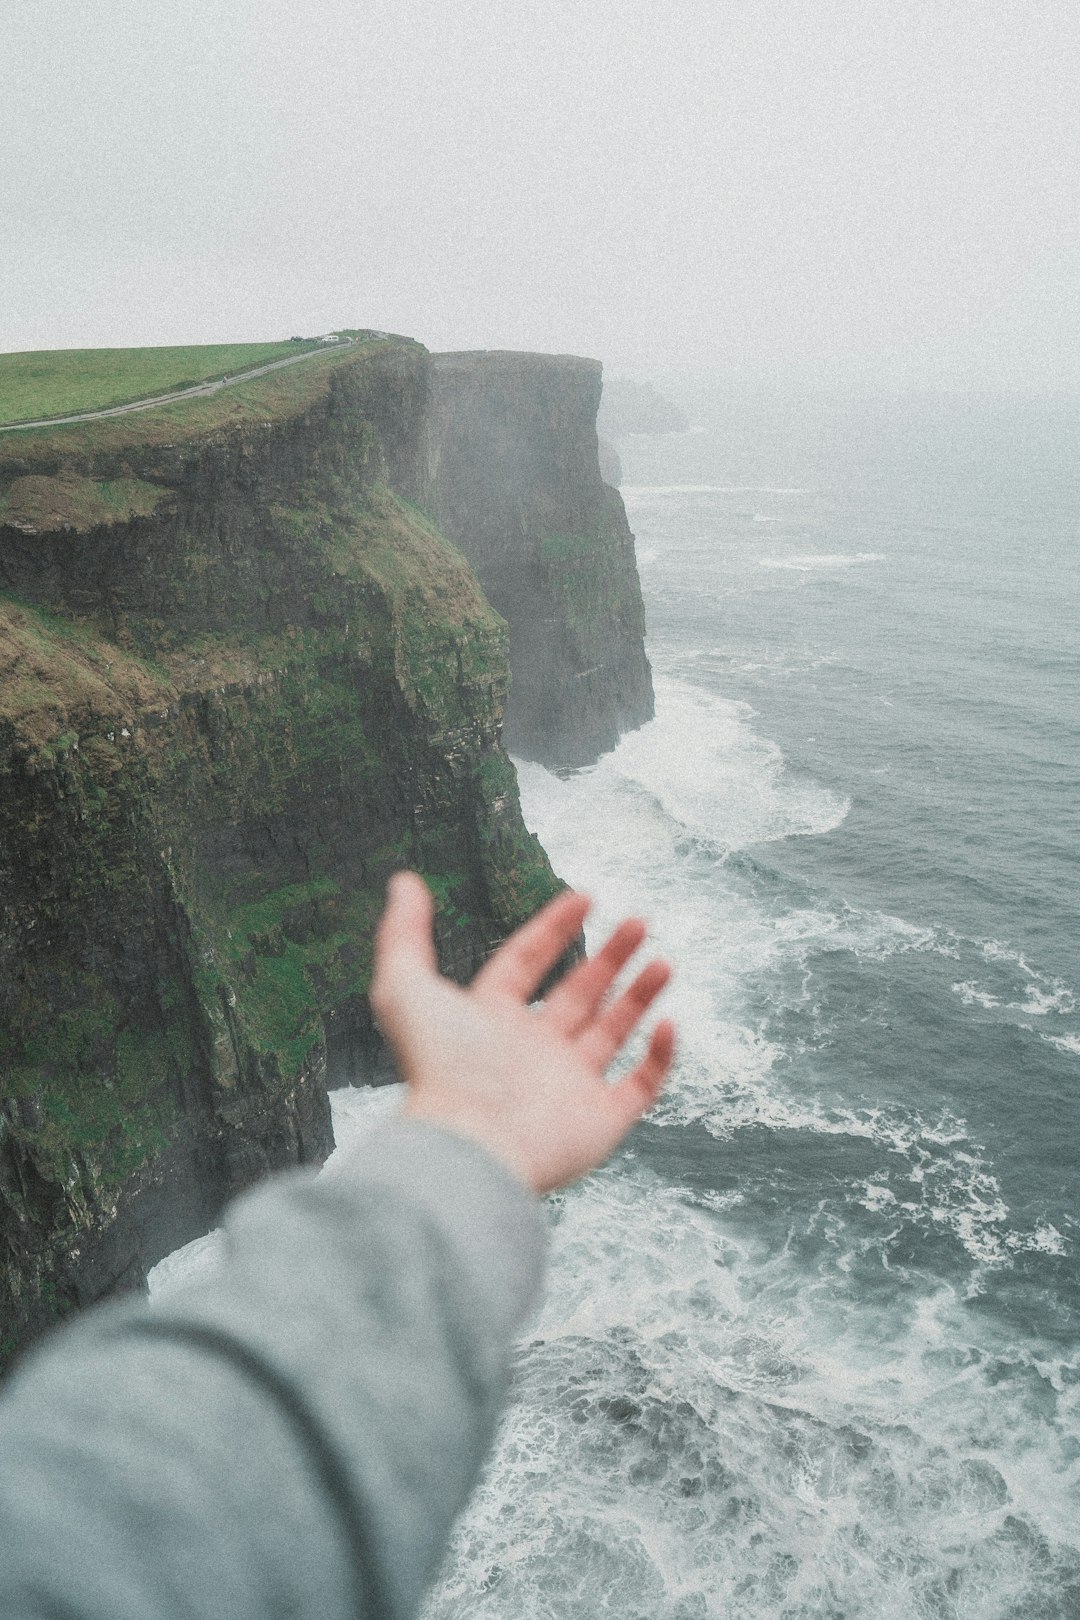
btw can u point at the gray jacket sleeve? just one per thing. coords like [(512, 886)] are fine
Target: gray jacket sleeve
[(294, 1437)]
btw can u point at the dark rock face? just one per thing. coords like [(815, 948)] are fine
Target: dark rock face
[(610, 464), (223, 721), (515, 482)]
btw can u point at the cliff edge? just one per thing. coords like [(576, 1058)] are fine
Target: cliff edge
[(515, 482), (242, 678), (244, 675)]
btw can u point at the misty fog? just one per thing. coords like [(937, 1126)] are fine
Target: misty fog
[(845, 190)]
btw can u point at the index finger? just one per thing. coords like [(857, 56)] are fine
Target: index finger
[(521, 961)]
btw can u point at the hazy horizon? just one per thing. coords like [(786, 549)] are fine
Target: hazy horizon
[(871, 195)]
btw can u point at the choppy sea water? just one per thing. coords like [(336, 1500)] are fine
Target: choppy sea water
[(809, 1345)]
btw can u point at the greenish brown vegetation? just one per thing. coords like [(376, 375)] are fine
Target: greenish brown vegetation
[(275, 397), (208, 771), (59, 382), (38, 504), (56, 677)]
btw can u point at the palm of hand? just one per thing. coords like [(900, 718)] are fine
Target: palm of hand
[(527, 1082)]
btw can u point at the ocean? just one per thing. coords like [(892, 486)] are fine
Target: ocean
[(809, 1345)]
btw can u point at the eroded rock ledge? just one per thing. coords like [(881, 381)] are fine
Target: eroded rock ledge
[(516, 483), (243, 676)]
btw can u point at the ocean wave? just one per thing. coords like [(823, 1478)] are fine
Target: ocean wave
[(1064, 1043), (820, 559), (938, 1182), (1018, 990), (691, 662), (702, 762), (636, 490), (972, 996), (1055, 997), (701, 1430), (620, 832)]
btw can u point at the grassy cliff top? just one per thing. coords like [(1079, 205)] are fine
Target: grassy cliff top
[(274, 396), (60, 382)]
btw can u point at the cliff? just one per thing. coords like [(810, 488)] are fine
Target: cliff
[(242, 678), (633, 407), (610, 462), (515, 482)]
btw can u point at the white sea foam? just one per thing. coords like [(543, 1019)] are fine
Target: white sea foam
[(808, 561), (1064, 1043), (1021, 990), (972, 996), (1052, 997), (355, 1112), (634, 491), (700, 1428), (644, 830), (702, 764), (192, 1263), (994, 951)]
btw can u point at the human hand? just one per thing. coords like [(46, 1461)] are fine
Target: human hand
[(526, 1082)]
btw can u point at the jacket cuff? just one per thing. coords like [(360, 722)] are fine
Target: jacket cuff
[(495, 1226)]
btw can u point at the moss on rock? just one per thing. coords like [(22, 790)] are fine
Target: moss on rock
[(225, 718)]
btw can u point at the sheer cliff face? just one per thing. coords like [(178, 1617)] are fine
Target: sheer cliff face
[(515, 482), (242, 678)]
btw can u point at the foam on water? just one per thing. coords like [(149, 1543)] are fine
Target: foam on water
[(634, 492), (192, 1263), (1017, 992), (820, 559), (355, 1111), (652, 827), (1037, 1002), (737, 1403), (1064, 1043), (701, 769), (972, 996), (701, 1429)]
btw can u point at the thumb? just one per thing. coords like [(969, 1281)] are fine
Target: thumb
[(404, 946)]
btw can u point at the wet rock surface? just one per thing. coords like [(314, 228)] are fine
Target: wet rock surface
[(227, 711)]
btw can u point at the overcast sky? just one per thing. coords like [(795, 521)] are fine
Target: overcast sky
[(877, 190)]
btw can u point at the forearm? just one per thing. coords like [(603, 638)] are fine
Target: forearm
[(300, 1429)]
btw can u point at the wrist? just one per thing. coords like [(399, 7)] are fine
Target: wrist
[(478, 1128)]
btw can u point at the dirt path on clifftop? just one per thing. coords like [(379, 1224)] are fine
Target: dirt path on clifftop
[(213, 387)]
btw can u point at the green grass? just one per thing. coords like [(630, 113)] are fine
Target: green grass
[(102, 1091), (57, 677), (38, 505), (60, 382), (275, 397)]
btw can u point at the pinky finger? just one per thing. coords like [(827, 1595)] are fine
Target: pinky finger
[(636, 1094)]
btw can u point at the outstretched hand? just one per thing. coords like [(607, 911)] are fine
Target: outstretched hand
[(526, 1082)]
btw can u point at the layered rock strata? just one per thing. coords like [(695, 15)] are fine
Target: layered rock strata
[(242, 678), (515, 482)]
